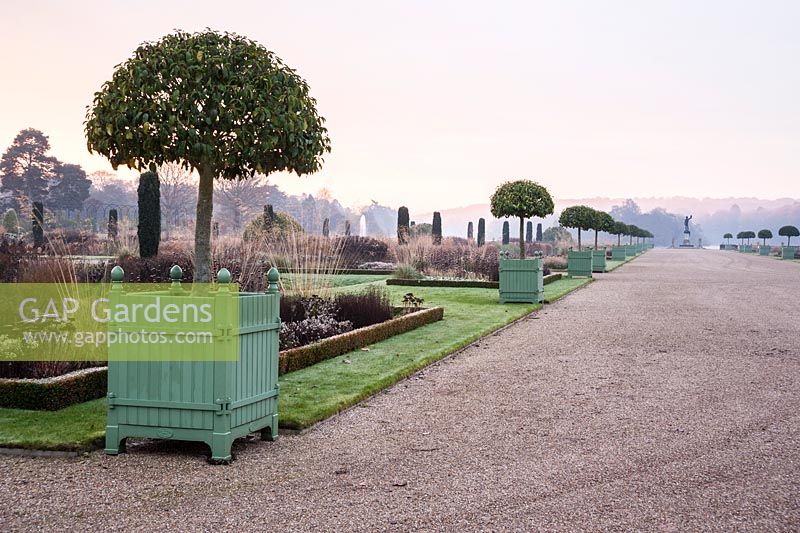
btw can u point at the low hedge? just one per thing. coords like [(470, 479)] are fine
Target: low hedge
[(52, 394), (304, 356), (459, 283), (343, 272)]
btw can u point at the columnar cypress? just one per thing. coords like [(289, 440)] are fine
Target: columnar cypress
[(469, 231), (529, 232), (37, 223), (481, 232), (346, 228), (149, 229), (402, 225), (437, 228), (113, 222), (539, 232), (326, 227), (506, 233)]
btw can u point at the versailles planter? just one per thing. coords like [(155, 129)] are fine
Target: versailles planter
[(763, 250), (787, 252), (746, 248), (214, 398), (618, 253), (579, 264), (521, 280), (599, 260), (630, 250)]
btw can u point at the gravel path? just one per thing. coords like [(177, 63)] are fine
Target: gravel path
[(663, 396)]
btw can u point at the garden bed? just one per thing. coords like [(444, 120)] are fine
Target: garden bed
[(459, 283), (305, 356)]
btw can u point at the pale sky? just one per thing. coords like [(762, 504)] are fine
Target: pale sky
[(432, 106)]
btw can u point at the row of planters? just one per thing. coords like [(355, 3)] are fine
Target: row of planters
[(521, 279), (787, 252), (583, 263)]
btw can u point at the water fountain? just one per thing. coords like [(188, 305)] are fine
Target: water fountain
[(362, 226)]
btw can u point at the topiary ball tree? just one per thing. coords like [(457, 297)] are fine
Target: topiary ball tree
[(217, 103), (602, 222), (619, 229), (436, 230), (765, 234), (522, 199), (789, 232), (402, 225), (481, 231), (149, 201), (749, 235), (578, 217), (727, 238), (632, 232), (506, 233)]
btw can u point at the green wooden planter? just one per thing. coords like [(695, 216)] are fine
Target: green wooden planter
[(521, 280), (787, 252), (598, 260), (214, 399), (763, 250), (630, 250), (746, 248), (618, 253), (579, 264)]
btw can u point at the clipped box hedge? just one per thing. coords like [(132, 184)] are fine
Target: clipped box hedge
[(52, 394), (459, 283), (304, 356)]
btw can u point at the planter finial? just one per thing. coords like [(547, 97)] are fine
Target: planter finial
[(224, 276), (273, 276), (175, 273), (117, 274)]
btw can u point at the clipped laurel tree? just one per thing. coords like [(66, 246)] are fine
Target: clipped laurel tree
[(149, 229), (765, 234), (602, 222), (37, 224), (506, 233), (326, 227), (522, 199), (619, 229), (402, 225), (469, 230), (789, 232), (436, 231), (217, 103), (578, 217), (529, 232), (481, 232), (113, 224)]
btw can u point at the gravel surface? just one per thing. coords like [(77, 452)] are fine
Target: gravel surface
[(663, 396)]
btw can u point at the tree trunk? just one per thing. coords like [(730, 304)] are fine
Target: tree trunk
[(579, 239), (202, 230), (619, 239), (521, 238), (595, 239)]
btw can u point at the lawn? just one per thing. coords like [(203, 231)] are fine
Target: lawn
[(80, 426), (317, 392), (340, 280)]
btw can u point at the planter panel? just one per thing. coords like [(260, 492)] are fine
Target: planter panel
[(579, 264), (787, 252), (598, 260), (630, 250), (521, 280), (618, 253), (763, 250), (746, 248)]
